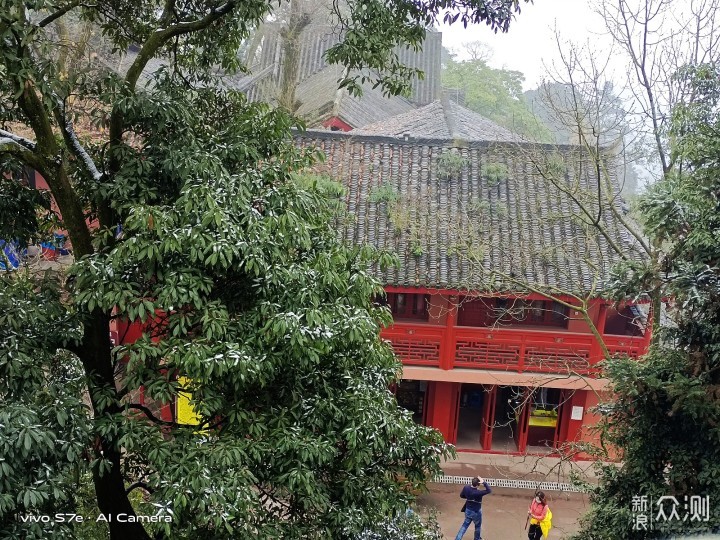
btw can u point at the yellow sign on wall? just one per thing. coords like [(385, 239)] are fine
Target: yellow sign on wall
[(185, 412)]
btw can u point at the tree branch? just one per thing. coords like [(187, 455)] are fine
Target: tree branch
[(73, 143), (11, 147), (160, 37), (139, 485), (59, 13), (20, 141), (148, 413)]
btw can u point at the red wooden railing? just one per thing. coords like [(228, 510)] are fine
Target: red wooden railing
[(505, 349), (632, 346), (416, 346)]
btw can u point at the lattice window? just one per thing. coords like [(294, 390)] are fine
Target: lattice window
[(556, 359), (630, 352), (417, 351), (490, 355)]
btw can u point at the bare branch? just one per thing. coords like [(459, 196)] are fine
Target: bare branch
[(150, 416), (139, 485)]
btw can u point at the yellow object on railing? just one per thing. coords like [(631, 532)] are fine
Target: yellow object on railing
[(543, 418)]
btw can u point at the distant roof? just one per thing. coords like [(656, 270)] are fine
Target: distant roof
[(441, 119), (243, 82), (316, 39), (121, 62), (321, 99), (454, 213)]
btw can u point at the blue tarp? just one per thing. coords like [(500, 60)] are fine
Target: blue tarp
[(10, 259)]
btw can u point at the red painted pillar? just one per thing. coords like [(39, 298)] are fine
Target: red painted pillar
[(563, 419), (521, 360), (596, 353), (602, 317), (447, 354), (443, 409), (573, 427)]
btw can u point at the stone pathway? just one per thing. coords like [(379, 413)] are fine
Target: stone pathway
[(504, 512)]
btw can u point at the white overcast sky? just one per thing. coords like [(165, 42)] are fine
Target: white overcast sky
[(530, 45)]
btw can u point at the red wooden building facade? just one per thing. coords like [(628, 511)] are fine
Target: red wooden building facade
[(507, 372), (499, 382)]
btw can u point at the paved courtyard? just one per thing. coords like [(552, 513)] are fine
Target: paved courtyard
[(504, 512), (505, 509)]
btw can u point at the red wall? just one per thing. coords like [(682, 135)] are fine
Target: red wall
[(338, 124), (442, 409)]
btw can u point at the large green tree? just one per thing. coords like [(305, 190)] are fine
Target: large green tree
[(666, 415), (494, 93), (230, 266)]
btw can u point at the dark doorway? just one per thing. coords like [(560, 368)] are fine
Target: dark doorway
[(508, 410), (470, 416), (412, 395), (545, 404)]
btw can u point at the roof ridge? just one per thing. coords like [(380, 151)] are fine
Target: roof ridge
[(448, 113)]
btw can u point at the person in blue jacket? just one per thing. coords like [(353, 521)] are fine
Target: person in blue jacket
[(473, 506)]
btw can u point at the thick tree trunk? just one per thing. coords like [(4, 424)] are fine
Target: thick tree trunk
[(112, 500)]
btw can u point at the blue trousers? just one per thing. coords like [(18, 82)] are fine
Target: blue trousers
[(471, 516)]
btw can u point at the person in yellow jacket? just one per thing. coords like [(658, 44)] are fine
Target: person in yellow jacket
[(540, 517)]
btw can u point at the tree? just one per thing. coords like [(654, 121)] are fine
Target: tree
[(656, 39), (227, 265), (667, 408), (657, 400), (495, 93), (580, 104)]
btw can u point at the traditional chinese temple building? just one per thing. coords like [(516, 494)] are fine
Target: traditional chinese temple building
[(492, 255), (491, 259)]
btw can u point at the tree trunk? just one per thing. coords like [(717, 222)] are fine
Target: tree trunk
[(112, 499)]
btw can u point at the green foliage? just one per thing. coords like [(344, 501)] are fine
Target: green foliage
[(416, 248), (377, 26), (44, 424), (333, 192), (400, 217), (407, 526), (19, 208), (494, 173), (450, 165), (323, 184), (385, 192), (86, 506), (478, 207), (501, 209), (228, 265), (666, 415), (496, 94)]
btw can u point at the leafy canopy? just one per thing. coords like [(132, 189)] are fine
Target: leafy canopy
[(494, 93), (227, 270), (666, 417)]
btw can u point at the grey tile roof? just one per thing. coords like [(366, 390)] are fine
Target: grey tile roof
[(316, 39), (442, 119), (243, 82), (464, 222), (321, 99), (121, 63)]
